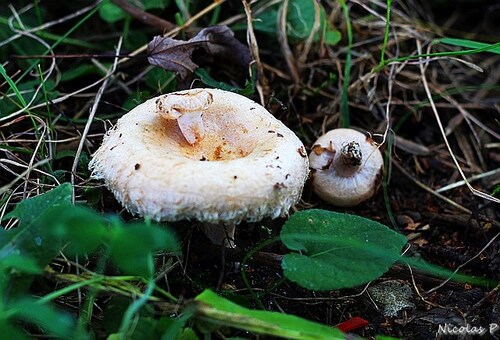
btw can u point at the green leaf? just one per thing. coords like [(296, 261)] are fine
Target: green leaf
[(187, 334), (12, 85), (332, 36), (172, 328), (52, 321), (32, 239), (8, 331), (215, 309), (47, 222), (17, 263), (81, 229), (144, 328), (300, 22), (146, 239), (470, 44), (29, 210), (158, 4), (337, 250), (161, 80), (208, 80), (111, 13)]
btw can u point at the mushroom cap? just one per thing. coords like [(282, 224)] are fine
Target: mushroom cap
[(340, 184), (248, 165)]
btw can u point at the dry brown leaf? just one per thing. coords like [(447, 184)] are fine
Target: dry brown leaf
[(176, 55)]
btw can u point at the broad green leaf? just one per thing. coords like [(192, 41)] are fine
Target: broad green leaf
[(16, 263), (337, 250), (218, 310), (8, 330), (47, 222), (470, 44), (32, 239), (51, 320), (144, 328), (300, 22), (80, 229), (29, 210), (132, 246)]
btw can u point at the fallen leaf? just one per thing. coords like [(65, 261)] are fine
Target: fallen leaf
[(176, 55)]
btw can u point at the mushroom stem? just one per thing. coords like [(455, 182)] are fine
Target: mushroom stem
[(351, 154), (220, 233)]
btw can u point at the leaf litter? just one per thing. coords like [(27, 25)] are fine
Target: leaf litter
[(215, 41)]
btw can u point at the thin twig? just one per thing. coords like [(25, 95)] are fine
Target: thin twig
[(283, 41), (93, 110), (443, 133), (429, 190), (464, 264), (254, 48)]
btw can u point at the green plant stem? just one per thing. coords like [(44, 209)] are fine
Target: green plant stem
[(68, 289), (436, 54), (344, 109), (134, 308), (385, 181), (386, 32)]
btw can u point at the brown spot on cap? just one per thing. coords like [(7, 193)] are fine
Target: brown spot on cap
[(137, 166), (302, 152), (279, 185)]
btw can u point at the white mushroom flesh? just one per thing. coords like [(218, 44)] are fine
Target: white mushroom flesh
[(187, 109), (346, 167), (247, 166)]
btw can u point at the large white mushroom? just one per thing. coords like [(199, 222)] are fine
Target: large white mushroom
[(202, 154), (346, 167)]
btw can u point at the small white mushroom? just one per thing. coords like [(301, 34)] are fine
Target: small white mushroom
[(346, 167), (230, 161)]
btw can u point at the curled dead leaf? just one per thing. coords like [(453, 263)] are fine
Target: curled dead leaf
[(176, 55)]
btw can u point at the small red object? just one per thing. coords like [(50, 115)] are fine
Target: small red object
[(352, 324)]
